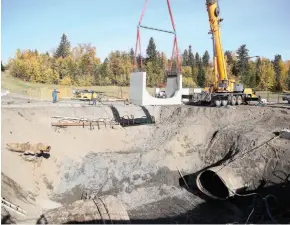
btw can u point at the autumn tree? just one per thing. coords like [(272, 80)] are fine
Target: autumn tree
[(82, 67), (266, 74), (63, 49), (288, 80)]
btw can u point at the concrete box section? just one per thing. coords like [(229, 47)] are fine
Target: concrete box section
[(140, 96)]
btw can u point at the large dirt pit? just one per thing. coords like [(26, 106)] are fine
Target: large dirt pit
[(142, 165)]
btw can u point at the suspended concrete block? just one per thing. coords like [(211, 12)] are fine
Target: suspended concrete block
[(140, 96)]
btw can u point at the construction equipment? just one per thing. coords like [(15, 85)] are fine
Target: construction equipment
[(85, 95), (286, 97), (224, 90)]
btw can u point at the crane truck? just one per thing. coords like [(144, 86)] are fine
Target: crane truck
[(223, 91)]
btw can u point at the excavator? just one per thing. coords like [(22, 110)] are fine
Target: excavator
[(223, 91)]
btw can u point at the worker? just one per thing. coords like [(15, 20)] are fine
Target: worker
[(94, 98), (54, 95)]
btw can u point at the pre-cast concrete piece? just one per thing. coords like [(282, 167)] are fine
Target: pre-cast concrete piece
[(140, 96)]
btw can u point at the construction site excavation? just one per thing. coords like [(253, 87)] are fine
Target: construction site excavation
[(189, 141), (180, 164)]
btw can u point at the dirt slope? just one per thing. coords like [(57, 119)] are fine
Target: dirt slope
[(136, 164)]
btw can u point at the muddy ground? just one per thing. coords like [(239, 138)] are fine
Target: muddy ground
[(139, 165)]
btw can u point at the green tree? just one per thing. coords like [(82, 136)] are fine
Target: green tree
[(201, 76), (63, 49), (229, 57), (280, 73), (205, 59), (198, 61), (242, 61), (191, 59), (191, 63), (249, 78), (151, 51), (185, 58)]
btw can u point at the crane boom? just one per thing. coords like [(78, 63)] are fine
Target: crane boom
[(214, 20), (223, 91)]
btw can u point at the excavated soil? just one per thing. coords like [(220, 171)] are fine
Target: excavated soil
[(139, 165)]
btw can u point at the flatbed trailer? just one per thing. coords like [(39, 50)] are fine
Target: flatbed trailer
[(221, 98)]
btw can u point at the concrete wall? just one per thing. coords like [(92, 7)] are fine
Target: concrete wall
[(140, 96), (172, 86)]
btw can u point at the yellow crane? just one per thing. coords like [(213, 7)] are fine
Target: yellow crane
[(224, 90)]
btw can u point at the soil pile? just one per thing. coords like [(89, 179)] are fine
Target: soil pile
[(141, 165)]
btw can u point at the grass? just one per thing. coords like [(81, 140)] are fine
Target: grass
[(43, 91)]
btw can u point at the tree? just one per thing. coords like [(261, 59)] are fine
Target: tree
[(201, 76), (205, 59), (249, 78), (280, 73), (288, 80), (2, 67), (185, 58), (266, 75), (191, 60), (132, 55), (151, 51), (198, 61), (186, 71), (229, 56), (161, 58), (242, 60), (63, 49)]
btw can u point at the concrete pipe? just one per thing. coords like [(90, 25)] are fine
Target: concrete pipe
[(222, 182), (40, 147), (219, 182), (107, 209)]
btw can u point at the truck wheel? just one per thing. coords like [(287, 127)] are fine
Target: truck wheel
[(224, 102), (233, 100), (218, 103), (239, 100)]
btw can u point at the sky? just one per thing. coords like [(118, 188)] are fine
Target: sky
[(263, 25)]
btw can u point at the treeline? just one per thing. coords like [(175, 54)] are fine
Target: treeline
[(80, 66)]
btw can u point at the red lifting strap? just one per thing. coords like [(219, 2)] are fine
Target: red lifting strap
[(175, 45)]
